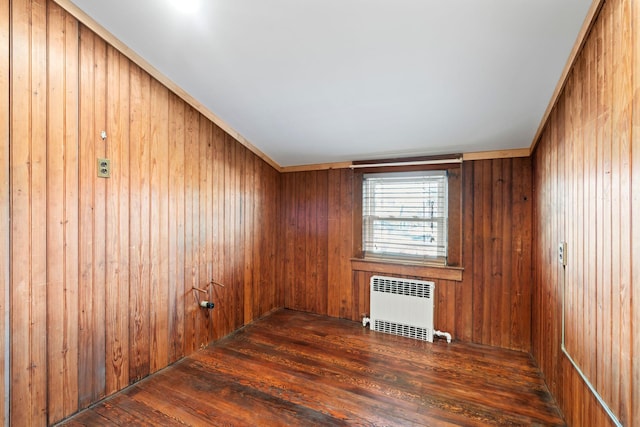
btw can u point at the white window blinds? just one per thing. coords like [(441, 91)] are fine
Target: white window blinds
[(405, 215)]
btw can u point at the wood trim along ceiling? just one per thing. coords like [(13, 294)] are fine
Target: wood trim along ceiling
[(500, 154), (316, 167), (481, 155)]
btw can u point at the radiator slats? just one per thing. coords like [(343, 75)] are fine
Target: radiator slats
[(402, 307)]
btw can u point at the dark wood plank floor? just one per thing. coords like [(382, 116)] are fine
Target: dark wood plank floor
[(293, 368)]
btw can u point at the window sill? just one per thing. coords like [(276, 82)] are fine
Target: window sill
[(407, 269)]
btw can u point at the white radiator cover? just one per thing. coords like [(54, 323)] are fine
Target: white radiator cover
[(402, 307)]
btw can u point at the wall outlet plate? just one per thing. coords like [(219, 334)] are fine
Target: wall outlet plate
[(562, 253), (104, 168)]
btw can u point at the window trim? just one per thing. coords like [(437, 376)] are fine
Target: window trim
[(454, 252), (375, 219)]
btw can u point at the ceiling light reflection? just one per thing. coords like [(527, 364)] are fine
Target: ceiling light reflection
[(186, 6)]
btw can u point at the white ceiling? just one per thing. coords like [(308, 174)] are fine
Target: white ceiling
[(310, 81)]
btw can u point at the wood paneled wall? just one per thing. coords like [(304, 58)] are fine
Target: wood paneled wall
[(99, 272), (4, 207), (497, 220), (102, 270), (317, 246), (492, 303), (587, 192)]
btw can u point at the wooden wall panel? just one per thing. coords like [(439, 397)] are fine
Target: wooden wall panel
[(238, 220), (191, 180), (204, 214), (248, 267), (176, 196), (218, 255), (497, 250), (92, 252), (62, 214), (139, 165), (305, 248), (4, 207), (227, 293), (102, 269), (340, 234), (28, 202), (634, 348), (261, 203), (586, 180), (117, 225), (254, 207), (311, 261), (492, 305), (159, 224)]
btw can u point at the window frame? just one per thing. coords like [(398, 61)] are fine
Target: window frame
[(378, 213), (454, 206)]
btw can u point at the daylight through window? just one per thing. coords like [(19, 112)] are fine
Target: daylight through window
[(405, 216)]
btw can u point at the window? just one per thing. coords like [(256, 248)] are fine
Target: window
[(405, 216)]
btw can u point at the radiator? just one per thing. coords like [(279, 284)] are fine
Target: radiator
[(402, 307)]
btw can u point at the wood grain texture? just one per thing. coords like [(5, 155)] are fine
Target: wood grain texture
[(159, 225), (117, 290), (4, 207), (204, 270), (92, 252), (139, 166), (492, 155), (497, 213), (176, 196), (86, 167), (62, 214), (381, 267), (634, 349), (28, 201), (102, 270), (586, 179), (493, 237), (192, 124), (218, 229), (293, 368)]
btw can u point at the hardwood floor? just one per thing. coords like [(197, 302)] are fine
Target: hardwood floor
[(294, 368)]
